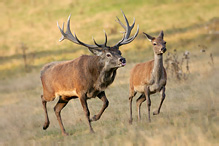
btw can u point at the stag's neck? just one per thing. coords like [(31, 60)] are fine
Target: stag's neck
[(158, 69), (104, 76)]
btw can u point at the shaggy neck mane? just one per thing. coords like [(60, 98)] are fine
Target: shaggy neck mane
[(103, 76)]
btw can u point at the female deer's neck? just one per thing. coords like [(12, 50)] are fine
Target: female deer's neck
[(158, 67)]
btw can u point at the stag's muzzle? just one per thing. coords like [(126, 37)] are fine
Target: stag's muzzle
[(122, 62)]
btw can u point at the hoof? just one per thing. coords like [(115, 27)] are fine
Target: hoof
[(94, 118), (92, 131), (156, 113), (65, 134), (45, 126), (130, 121)]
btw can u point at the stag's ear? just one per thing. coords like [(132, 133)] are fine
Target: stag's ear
[(96, 51), (150, 38), (161, 35)]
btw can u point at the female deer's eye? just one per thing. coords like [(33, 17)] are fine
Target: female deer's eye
[(165, 43), (108, 55)]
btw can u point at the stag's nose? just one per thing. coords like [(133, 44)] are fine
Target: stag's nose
[(123, 61)]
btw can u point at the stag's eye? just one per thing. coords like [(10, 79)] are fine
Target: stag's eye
[(154, 43), (165, 43), (108, 55)]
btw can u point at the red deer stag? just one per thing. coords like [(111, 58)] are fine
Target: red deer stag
[(149, 77), (85, 77)]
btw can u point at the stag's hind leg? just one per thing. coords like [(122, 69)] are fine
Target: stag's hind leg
[(59, 106), (139, 101), (162, 92), (102, 97), (46, 124)]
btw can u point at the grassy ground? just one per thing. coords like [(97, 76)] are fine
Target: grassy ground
[(190, 113)]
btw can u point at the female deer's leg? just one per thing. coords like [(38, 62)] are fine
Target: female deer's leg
[(162, 92), (147, 94), (139, 101), (83, 101), (59, 106), (46, 124), (102, 97), (131, 95)]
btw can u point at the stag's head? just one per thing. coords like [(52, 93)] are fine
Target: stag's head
[(159, 45), (110, 55)]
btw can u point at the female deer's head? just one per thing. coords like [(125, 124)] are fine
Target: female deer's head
[(159, 45)]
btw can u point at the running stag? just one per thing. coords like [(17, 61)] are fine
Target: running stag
[(85, 77)]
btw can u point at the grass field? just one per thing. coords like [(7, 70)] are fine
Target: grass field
[(190, 113)]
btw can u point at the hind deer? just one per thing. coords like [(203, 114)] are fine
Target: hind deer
[(85, 77), (149, 77)]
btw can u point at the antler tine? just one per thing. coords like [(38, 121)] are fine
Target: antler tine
[(68, 25), (102, 45), (120, 23), (126, 20), (123, 38), (129, 40), (105, 39), (133, 24), (61, 30), (63, 26), (68, 35), (128, 29), (96, 43)]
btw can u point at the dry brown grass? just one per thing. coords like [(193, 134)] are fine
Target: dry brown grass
[(189, 115)]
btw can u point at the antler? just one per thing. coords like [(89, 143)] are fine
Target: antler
[(68, 35), (102, 45), (128, 29)]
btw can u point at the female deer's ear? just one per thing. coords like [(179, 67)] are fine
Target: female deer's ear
[(161, 35), (96, 51), (150, 38)]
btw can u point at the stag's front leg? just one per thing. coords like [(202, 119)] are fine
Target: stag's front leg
[(147, 94), (83, 100), (102, 97), (162, 92)]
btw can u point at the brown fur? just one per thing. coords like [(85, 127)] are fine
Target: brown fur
[(69, 75), (149, 77), (85, 77), (142, 70)]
